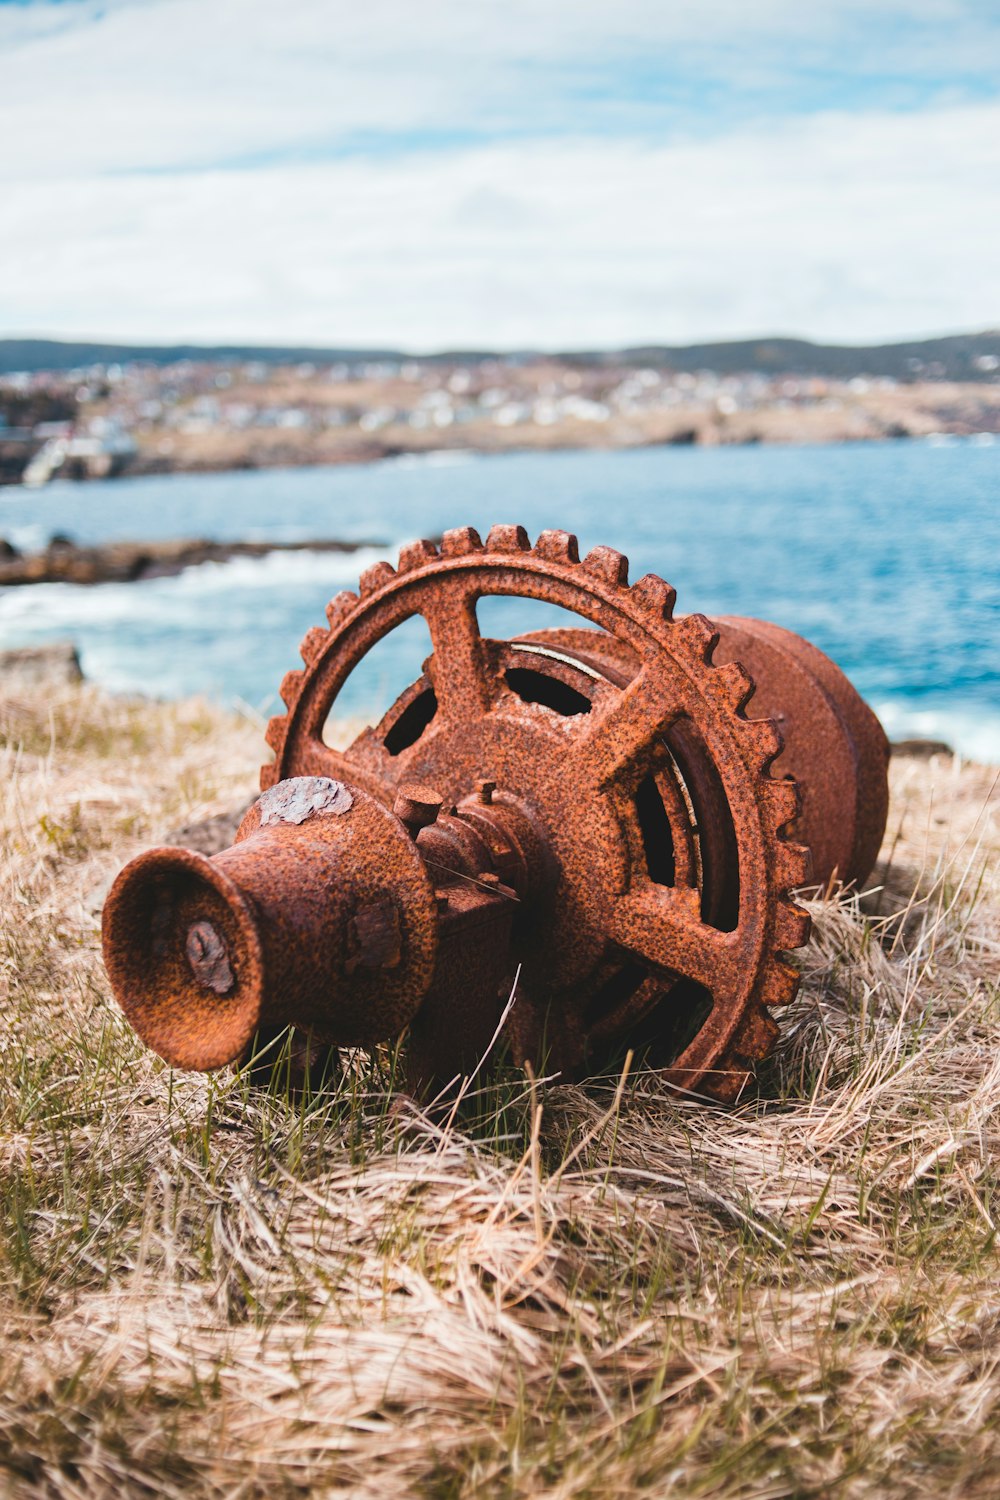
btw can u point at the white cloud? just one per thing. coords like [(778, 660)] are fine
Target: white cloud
[(111, 85), (844, 227), (183, 169)]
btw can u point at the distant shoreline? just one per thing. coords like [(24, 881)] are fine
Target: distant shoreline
[(137, 419), (281, 456)]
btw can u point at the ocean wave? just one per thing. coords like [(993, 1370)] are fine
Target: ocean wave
[(975, 735), (273, 570), (47, 607)]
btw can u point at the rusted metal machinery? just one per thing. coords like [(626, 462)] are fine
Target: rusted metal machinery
[(592, 809)]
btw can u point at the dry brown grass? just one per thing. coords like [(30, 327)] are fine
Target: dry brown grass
[(208, 1289)]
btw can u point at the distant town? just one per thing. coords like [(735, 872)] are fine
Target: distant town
[(147, 412)]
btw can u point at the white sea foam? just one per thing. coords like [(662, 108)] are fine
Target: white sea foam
[(274, 570), (225, 629), (976, 736), (437, 458), (44, 607)]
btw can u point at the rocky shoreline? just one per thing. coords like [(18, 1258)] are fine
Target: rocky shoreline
[(64, 561), (212, 415)]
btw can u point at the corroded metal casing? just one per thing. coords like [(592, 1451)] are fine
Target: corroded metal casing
[(607, 822), (289, 926), (833, 746)]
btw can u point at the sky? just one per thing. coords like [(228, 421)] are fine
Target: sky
[(426, 174)]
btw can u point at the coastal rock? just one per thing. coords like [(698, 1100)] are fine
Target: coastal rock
[(55, 662), (212, 835), (919, 749)]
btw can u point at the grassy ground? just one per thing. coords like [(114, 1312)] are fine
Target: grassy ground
[(211, 1290)]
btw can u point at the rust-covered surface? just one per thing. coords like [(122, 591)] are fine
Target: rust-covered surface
[(606, 813)]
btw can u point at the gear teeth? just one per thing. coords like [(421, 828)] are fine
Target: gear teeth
[(735, 684), (655, 595), (697, 635), (340, 607), (460, 540), (274, 734), (375, 577), (791, 926), (782, 804), (508, 539), (756, 1037), (558, 547), (313, 644), (415, 555), (291, 687), (762, 743), (780, 985), (792, 864), (607, 565)]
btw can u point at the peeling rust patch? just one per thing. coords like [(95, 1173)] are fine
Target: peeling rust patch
[(302, 797)]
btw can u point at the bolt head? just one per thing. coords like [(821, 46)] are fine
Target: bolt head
[(208, 957), (417, 805)]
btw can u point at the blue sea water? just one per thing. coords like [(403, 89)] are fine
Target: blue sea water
[(887, 556)]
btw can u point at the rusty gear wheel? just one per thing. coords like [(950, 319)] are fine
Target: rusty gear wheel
[(665, 912)]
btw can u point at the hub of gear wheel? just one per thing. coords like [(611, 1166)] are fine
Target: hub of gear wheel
[(605, 822)]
